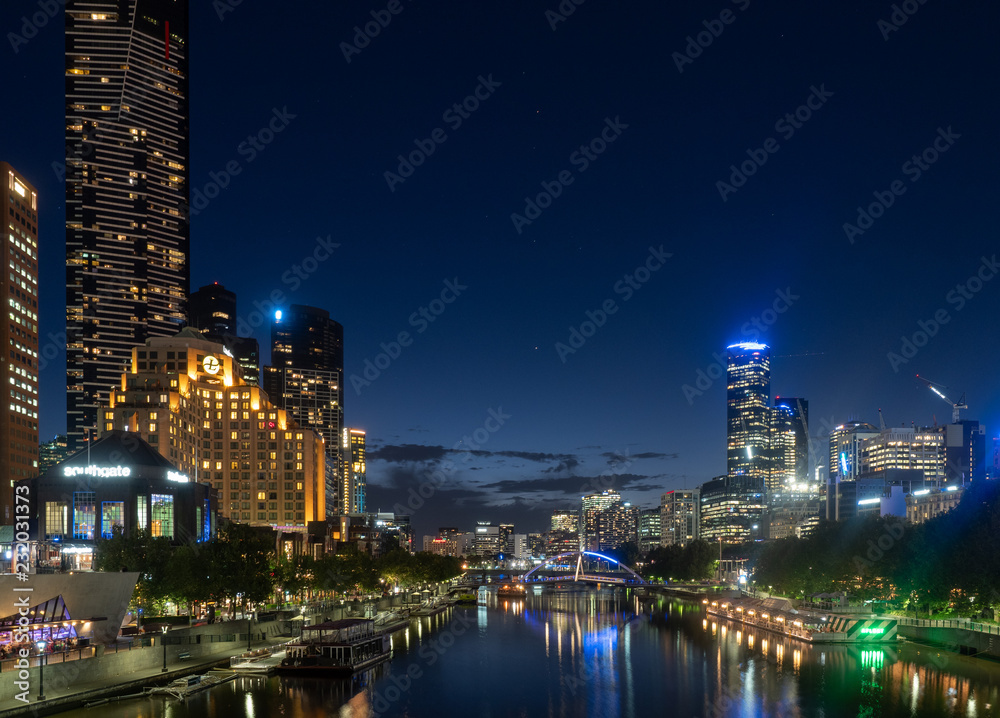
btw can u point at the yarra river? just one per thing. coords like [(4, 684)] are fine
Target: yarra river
[(602, 653)]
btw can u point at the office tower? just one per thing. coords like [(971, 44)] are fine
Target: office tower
[(650, 529), (680, 515), (307, 366), (905, 448), (182, 395), (565, 520), (212, 311), (748, 415), (728, 512), (127, 167), (590, 509), (506, 531), (52, 452), (845, 450), (487, 540), (19, 338), (781, 471), (355, 478), (965, 451), (795, 416)]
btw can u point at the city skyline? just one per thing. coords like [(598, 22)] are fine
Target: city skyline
[(576, 346)]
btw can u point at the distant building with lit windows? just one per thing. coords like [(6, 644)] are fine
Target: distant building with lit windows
[(182, 394), (306, 379), (355, 478), (121, 482), (18, 337), (680, 516), (924, 504), (212, 311)]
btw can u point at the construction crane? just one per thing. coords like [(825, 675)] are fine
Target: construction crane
[(956, 406)]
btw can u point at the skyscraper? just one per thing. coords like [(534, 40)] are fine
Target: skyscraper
[(212, 311), (680, 517), (355, 478), (127, 164), (307, 366), (795, 412), (748, 415), (19, 338)]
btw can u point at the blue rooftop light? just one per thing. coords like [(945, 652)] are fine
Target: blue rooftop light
[(749, 346)]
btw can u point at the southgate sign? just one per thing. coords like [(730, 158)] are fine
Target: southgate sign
[(100, 471)]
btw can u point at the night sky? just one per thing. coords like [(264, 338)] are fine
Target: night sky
[(633, 126)]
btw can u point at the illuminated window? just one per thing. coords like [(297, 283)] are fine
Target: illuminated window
[(56, 519), (141, 516), (162, 514), (112, 514), (84, 515)]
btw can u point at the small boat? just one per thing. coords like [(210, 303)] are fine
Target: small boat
[(336, 648), (511, 590)]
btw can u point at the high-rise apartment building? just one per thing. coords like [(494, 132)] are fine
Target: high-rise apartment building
[(650, 529), (355, 478), (127, 189), (590, 509), (305, 378), (749, 415), (183, 396), (565, 520), (19, 338), (680, 514), (212, 311)]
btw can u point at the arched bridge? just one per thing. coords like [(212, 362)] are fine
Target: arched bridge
[(632, 579)]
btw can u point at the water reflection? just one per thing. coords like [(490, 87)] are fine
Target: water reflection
[(607, 653)]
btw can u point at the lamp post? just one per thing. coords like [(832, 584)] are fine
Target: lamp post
[(41, 670), (163, 639), (249, 626), (302, 623)]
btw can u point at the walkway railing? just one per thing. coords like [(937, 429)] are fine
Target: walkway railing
[(74, 654), (964, 623)]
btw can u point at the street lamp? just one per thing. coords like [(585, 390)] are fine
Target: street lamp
[(249, 625), (41, 670), (164, 641)]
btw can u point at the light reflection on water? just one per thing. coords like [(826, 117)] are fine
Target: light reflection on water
[(601, 653)]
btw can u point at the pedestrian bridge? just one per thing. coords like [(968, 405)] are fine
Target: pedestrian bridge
[(628, 578)]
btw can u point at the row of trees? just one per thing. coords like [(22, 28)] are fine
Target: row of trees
[(240, 567), (951, 562)]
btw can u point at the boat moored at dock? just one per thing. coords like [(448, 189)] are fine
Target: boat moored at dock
[(337, 648), (806, 625)]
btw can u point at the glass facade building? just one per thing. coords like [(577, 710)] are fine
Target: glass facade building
[(748, 415)]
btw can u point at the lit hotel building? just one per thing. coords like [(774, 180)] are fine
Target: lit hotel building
[(127, 165), (19, 338), (183, 395)]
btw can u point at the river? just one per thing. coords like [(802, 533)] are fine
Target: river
[(602, 653)]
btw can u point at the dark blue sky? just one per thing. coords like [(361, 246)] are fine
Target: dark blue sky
[(617, 405)]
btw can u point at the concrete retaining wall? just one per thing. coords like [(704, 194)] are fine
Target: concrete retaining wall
[(955, 639)]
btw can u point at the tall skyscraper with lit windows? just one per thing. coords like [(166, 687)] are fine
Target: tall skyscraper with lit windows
[(127, 163), (305, 378), (748, 415), (19, 338), (355, 477)]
